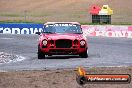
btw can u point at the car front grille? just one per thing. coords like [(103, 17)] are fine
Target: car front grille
[(63, 43), (63, 51)]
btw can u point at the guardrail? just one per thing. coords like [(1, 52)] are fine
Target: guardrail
[(89, 30)]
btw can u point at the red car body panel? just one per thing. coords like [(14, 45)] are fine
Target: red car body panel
[(53, 49)]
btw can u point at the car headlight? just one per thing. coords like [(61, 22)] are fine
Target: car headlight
[(44, 42), (82, 43)]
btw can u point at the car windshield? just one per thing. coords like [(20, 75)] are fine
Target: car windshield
[(62, 28)]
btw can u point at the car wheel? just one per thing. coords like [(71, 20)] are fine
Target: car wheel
[(84, 54), (41, 55)]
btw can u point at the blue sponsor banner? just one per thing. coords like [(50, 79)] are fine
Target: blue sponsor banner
[(20, 28)]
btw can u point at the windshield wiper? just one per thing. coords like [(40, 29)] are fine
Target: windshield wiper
[(77, 33)]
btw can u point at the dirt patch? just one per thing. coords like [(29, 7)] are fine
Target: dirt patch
[(58, 78), (61, 10)]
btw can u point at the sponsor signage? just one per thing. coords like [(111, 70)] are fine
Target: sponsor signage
[(20, 28), (107, 30), (89, 30)]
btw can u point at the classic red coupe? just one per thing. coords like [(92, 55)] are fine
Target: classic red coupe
[(62, 38)]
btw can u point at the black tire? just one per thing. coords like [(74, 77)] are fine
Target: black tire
[(41, 55), (84, 54)]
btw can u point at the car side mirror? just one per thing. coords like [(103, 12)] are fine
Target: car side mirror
[(37, 33)]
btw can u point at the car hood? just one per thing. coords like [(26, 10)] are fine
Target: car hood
[(63, 36)]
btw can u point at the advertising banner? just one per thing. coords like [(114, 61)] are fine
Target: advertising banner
[(107, 30), (20, 28), (88, 30)]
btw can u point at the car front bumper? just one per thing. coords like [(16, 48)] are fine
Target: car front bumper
[(63, 51)]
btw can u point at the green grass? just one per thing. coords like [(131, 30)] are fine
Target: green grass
[(10, 15), (82, 23), (16, 21)]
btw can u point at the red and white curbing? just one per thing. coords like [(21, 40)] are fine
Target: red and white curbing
[(107, 30)]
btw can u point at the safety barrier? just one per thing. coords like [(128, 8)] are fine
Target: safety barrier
[(108, 30), (89, 30), (20, 28)]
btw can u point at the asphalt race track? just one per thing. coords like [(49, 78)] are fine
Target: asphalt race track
[(103, 52)]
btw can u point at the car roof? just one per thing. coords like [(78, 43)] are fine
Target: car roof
[(62, 23)]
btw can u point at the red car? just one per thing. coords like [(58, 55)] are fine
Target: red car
[(62, 38)]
